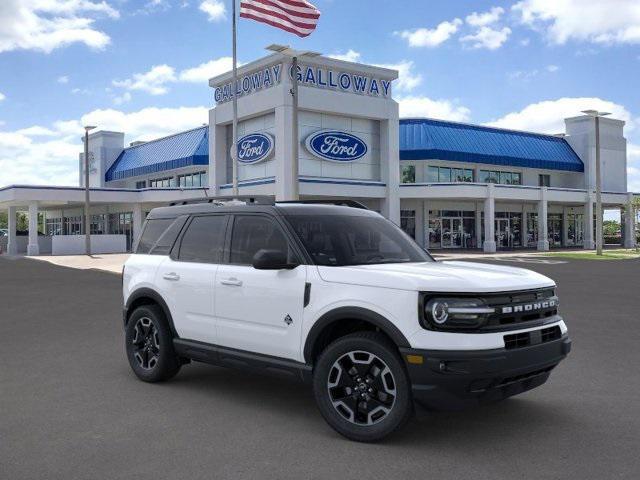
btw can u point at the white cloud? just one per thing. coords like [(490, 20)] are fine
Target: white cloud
[(154, 81), (420, 106), (63, 79), (45, 25), (407, 78), (486, 18), (2, 96), (349, 56), (548, 116), (525, 42), (48, 155), (120, 99), (203, 72), (424, 37), (595, 21), (487, 37), (214, 9), (552, 68)]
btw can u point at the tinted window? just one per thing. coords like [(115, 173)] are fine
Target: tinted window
[(339, 240), (203, 241), (253, 233), (152, 232), (167, 239)]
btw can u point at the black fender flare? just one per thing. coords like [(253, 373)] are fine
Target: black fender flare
[(157, 298), (352, 313)]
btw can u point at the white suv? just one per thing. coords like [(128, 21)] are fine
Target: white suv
[(341, 298)]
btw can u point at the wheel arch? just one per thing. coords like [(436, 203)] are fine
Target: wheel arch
[(329, 321), (147, 296)]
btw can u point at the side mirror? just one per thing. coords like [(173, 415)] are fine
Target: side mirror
[(271, 260)]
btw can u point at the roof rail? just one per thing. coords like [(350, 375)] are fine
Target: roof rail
[(331, 201), (220, 200)]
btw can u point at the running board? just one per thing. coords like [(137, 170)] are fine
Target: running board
[(229, 357)]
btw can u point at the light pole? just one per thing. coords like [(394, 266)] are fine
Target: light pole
[(596, 114), (295, 146), (87, 217)]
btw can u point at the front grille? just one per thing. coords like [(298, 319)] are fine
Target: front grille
[(515, 308), (535, 337), (525, 376)]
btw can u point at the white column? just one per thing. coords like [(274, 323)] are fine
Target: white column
[(425, 229), (478, 226), (543, 240), (565, 226), (12, 245), (137, 223), (489, 221), (629, 224), (589, 242), (283, 154), (33, 248), (389, 162)]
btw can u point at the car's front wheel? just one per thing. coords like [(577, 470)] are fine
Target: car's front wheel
[(149, 345), (362, 388)]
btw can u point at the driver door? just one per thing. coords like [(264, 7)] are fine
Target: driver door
[(259, 310)]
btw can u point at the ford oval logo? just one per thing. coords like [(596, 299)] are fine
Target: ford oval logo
[(255, 148), (336, 146)]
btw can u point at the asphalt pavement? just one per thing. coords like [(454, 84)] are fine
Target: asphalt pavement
[(70, 408)]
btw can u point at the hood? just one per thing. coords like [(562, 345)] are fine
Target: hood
[(438, 277)]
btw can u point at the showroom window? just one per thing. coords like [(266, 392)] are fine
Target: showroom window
[(408, 174), (448, 174), (408, 222), (503, 178), (198, 179)]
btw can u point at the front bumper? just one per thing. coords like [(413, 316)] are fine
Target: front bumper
[(451, 380)]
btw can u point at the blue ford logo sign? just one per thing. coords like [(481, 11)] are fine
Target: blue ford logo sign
[(336, 146), (255, 148)]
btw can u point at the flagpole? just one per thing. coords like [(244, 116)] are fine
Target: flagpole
[(234, 146), (295, 193)]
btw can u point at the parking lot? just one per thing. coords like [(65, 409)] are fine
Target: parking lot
[(71, 409)]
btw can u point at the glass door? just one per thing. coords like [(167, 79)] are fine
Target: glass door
[(504, 237), (452, 233)]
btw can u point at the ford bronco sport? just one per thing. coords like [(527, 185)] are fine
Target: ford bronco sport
[(339, 297)]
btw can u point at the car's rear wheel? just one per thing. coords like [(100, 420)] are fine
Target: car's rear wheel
[(149, 345), (362, 388)]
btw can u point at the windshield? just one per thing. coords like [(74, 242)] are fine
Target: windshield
[(340, 240)]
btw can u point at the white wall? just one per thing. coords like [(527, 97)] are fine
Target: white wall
[(74, 244), (105, 147)]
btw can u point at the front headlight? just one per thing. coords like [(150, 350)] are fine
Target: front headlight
[(454, 313)]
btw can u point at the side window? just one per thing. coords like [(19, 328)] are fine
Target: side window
[(152, 232), (252, 233), (203, 242), (168, 238)]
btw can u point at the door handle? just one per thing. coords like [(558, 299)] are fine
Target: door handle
[(173, 277), (233, 282)]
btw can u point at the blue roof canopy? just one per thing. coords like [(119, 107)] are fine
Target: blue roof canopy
[(426, 139), (176, 151)]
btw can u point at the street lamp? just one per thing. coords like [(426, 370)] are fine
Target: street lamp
[(596, 114), (294, 55), (87, 217)]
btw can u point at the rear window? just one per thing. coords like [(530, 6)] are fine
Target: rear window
[(159, 235)]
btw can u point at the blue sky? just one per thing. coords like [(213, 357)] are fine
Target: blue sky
[(142, 66)]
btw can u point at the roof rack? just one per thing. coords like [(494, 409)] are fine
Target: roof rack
[(221, 200), (329, 201)]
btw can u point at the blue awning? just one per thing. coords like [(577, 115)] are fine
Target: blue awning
[(427, 139), (183, 149)]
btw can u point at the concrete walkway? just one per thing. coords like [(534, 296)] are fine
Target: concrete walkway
[(105, 262)]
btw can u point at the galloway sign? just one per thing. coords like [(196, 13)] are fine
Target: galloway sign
[(248, 84), (255, 148), (336, 146), (331, 79)]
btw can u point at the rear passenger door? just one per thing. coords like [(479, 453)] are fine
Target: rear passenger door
[(259, 310), (187, 277)]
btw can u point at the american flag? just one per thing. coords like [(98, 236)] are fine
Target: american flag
[(294, 16)]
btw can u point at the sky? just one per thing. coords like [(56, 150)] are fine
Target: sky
[(142, 66)]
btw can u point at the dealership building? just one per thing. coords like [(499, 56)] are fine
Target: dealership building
[(448, 185)]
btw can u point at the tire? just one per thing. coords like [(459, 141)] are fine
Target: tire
[(149, 345), (362, 388)]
